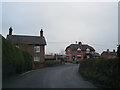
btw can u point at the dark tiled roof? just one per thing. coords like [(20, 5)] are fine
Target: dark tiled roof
[(109, 53), (20, 39), (96, 54), (83, 47)]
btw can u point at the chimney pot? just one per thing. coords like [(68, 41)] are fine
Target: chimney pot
[(10, 31)]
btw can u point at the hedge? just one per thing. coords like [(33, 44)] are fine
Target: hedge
[(14, 60), (73, 62), (103, 71), (41, 64)]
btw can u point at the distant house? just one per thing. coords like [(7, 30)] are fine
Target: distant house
[(35, 45), (109, 54), (49, 57), (75, 52), (54, 57)]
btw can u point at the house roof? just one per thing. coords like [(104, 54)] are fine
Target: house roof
[(109, 53), (21, 39), (83, 47), (96, 54)]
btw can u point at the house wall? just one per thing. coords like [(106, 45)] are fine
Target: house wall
[(108, 56), (30, 49), (71, 53), (68, 57), (42, 53)]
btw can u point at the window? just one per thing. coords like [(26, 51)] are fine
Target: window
[(36, 48), (87, 57), (87, 50), (17, 46), (36, 58), (78, 50), (67, 57)]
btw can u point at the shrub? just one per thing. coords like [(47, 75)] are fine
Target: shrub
[(73, 62), (104, 71), (14, 60), (40, 64), (27, 61)]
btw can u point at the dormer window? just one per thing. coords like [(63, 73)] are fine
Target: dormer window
[(87, 50), (78, 50), (37, 49), (68, 50)]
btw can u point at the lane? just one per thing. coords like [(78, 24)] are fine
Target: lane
[(65, 76)]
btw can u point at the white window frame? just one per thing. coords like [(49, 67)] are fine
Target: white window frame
[(87, 50), (17, 46), (36, 58), (37, 49)]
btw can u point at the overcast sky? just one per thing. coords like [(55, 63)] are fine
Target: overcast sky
[(92, 23)]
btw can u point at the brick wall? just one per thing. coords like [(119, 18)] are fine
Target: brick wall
[(104, 55), (30, 49), (42, 53), (71, 54)]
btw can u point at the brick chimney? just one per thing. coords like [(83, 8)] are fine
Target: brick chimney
[(41, 33), (113, 50), (76, 42), (10, 31), (107, 50), (42, 48)]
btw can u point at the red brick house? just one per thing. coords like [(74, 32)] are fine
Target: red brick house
[(75, 52), (109, 54), (35, 45)]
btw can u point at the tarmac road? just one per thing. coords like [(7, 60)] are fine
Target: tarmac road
[(64, 76)]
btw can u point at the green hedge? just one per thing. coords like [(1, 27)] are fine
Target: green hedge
[(73, 62), (104, 71), (40, 64), (53, 62), (14, 60)]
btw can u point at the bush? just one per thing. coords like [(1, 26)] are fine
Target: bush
[(14, 60), (27, 61), (40, 64), (73, 62), (102, 70)]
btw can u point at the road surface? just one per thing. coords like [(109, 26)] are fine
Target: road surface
[(64, 76)]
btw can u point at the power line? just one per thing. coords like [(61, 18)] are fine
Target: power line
[(58, 42), (101, 45)]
